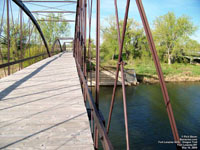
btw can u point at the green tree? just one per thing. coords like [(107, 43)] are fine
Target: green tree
[(135, 42), (15, 40), (192, 47), (170, 32), (109, 46)]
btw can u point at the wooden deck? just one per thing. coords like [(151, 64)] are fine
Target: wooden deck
[(42, 107)]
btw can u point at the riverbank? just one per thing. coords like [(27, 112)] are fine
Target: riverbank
[(107, 77), (143, 72), (177, 72), (170, 78), (146, 72)]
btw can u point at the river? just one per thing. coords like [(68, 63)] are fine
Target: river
[(147, 117)]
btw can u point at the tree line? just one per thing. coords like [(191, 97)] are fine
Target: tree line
[(172, 36), (31, 44)]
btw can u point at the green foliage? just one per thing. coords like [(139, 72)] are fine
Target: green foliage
[(135, 43), (110, 42), (53, 30), (15, 40), (170, 34), (31, 45), (179, 69)]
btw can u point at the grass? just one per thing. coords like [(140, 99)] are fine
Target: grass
[(147, 67)]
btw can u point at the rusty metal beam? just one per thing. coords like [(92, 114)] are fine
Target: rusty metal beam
[(89, 41), (69, 42), (81, 33), (75, 32), (8, 35), (97, 51), (117, 71), (54, 43), (120, 62), (158, 69), (21, 60), (97, 65), (26, 10), (73, 12), (50, 1), (125, 106), (66, 38), (85, 40), (56, 20), (21, 38), (97, 117)]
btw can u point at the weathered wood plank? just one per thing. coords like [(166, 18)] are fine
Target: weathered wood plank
[(42, 107)]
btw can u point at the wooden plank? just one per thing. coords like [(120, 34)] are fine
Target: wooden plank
[(42, 107)]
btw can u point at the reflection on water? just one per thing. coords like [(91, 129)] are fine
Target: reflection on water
[(147, 117)]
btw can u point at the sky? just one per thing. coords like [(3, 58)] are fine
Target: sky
[(153, 9)]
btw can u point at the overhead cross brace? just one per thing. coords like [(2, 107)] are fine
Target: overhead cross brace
[(56, 20), (73, 12), (51, 1)]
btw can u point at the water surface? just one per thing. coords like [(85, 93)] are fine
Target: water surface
[(147, 117)]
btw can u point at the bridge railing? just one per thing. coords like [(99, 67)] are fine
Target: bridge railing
[(83, 59), (95, 115), (80, 54), (21, 38)]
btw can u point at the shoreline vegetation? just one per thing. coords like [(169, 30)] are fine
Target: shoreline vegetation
[(30, 44), (177, 72), (174, 78), (178, 53)]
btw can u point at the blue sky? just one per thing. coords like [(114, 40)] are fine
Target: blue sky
[(153, 8)]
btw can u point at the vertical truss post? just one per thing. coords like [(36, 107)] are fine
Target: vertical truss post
[(97, 64), (76, 32), (79, 34), (77, 40), (89, 58), (8, 35), (1, 55), (81, 38), (89, 41), (158, 69), (97, 52), (29, 40), (21, 38), (85, 40), (36, 47), (82, 32)]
